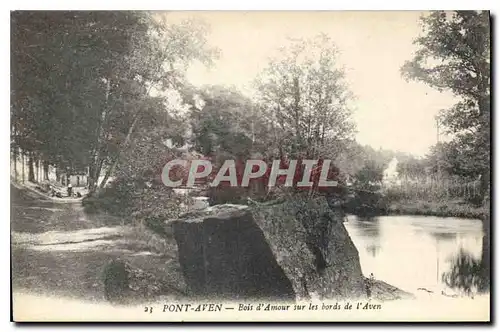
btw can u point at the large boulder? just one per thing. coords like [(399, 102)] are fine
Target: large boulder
[(313, 247), (283, 251), (224, 254)]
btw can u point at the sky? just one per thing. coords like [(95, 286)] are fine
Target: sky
[(389, 112)]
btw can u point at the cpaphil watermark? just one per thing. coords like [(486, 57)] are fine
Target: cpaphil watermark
[(305, 173)]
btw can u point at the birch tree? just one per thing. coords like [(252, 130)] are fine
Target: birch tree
[(306, 98)]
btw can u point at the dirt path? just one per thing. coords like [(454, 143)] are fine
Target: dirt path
[(58, 250)]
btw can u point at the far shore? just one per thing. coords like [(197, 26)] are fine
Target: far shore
[(445, 209), (437, 209)]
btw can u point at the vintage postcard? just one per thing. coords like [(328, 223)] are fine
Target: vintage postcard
[(326, 166)]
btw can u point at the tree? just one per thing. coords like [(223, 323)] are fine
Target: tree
[(370, 175), (62, 70), (411, 167), (306, 98), (454, 55), (227, 124), (167, 52), (456, 158), (84, 81)]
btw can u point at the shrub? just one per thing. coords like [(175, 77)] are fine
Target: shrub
[(115, 199), (136, 200)]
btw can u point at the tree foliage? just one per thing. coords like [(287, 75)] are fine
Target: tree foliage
[(83, 82), (454, 54), (306, 98)]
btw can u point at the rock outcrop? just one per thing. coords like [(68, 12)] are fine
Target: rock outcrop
[(312, 245), (224, 254), (284, 251), (382, 291)]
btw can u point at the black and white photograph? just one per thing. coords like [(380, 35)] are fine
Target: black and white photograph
[(250, 166)]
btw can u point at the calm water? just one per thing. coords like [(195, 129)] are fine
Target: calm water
[(412, 252)]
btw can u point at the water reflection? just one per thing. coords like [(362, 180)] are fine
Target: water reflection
[(415, 252), (369, 228), (468, 274), (465, 273), (373, 249)]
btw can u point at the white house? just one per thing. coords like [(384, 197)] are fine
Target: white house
[(391, 175)]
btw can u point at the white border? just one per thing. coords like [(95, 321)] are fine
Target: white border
[(179, 5)]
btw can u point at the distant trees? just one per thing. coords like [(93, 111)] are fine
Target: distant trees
[(370, 175), (227, 125), (454, 55), (456, 158), (412, 167)]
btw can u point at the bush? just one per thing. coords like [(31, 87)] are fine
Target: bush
[(137, 200), (366, 204), (117, 199)]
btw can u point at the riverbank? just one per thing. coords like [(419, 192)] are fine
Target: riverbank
[(46, 234), (457, 209)]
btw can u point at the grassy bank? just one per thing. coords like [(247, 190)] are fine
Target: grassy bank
[(458, 209)]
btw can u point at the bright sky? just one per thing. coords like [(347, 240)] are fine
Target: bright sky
[(389, 112)]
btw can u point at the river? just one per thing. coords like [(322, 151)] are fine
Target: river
[(424, 254)]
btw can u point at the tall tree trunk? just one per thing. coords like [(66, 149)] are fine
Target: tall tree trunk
[(91, 182), (88, 177), (94, 174), (23, 164), (296, 107), (46, 170), (31, 171), (97, 160), (111, 169), (37, 170), (484, 105), (15, 164), (485, 187), (486, 252), (13, 137)]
